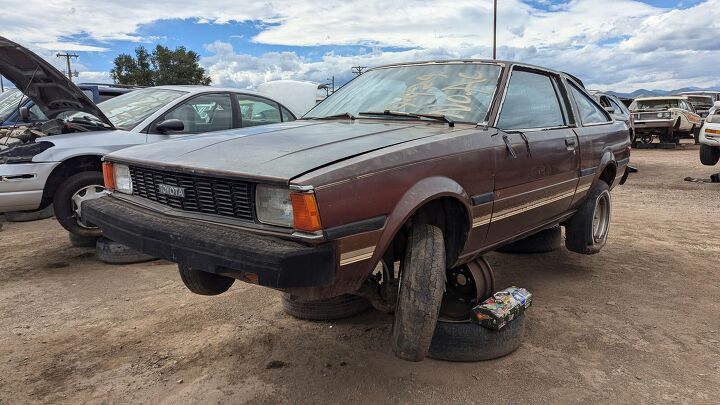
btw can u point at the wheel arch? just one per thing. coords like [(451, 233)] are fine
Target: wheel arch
[(607, 170), (441, 201), (67, 168)]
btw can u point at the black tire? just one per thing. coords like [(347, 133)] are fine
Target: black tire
[(709, 156), (547, 240), (82, 241), (62, 200), (111, 252), (581, 234), (204, 283), (343, 306), (422, 284), (466, 341), (26, 216)]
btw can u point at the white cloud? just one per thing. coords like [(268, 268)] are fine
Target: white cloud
[(619, 44)]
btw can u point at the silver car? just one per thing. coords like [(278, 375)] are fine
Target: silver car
[(60, 162)]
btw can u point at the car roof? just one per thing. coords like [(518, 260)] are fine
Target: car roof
[(469, 61), (663, 98)]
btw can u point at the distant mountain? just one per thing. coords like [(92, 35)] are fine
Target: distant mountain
[(653, 93)]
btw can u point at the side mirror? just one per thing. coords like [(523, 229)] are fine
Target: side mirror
[(611, 110), (171, 125), (24, 114)]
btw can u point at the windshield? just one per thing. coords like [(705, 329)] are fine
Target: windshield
[(130, 109), (9, 103), (664, 104), (701, 101), (462, 92)]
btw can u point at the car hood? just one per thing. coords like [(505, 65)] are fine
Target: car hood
[(277, 152), (51, 90)]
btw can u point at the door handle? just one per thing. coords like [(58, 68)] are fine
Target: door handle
[(509, 146), (569, 141)]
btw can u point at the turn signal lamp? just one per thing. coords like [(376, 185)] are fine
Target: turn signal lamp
[(108, 175), (306, 216)]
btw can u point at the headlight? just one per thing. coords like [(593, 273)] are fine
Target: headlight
[(123, 181), (273, 205), (659, 115), (668, 115)]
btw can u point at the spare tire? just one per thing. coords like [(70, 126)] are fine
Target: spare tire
[(328, 309), (112, 252), (547, 240), (204, 283), (82, 241), (27, 216), (466, 341)]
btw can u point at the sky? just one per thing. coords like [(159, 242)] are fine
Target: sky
[(619, 45)]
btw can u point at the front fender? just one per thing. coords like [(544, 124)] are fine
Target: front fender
[(420, 194)]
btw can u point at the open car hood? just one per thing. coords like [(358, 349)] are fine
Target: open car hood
[(51, 90)]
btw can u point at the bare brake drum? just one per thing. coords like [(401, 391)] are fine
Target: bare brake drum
[(467, 286)]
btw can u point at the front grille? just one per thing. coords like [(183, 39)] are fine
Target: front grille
[(648, 116), (229, 198)]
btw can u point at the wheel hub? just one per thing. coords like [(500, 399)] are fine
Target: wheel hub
[(86, 193), (466, 286)]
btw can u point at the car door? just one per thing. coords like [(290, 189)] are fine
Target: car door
[(254, 111), (536, 155), (207, 112)]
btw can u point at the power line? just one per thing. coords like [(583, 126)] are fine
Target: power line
[(67, 57)]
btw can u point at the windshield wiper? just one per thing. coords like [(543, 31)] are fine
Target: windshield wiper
[(438, 117), (335, 116)]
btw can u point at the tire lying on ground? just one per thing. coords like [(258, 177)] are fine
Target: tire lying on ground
[(544, 241), (466, 341), (202, 282), (111, 252), (82, 241), (328, 309), (23, 216), (586, 232)]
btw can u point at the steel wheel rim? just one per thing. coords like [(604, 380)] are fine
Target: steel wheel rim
[(86, 193), (601, 217)]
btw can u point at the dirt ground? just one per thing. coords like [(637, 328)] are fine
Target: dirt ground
[(636, 323)]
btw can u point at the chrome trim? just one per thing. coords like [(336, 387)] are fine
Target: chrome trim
[(297, 187)]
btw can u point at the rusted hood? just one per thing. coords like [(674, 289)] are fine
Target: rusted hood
[(277, 152)]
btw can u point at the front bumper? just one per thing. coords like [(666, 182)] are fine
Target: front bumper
[(277, 263), (710, 139), (653, 124), (22, 185)]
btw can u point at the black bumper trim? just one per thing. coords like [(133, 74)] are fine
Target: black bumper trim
[(214, 248)]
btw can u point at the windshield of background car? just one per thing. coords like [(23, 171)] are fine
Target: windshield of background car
[(462, 92), (130, 109), (639, 105), (9, 103), (701, 101)]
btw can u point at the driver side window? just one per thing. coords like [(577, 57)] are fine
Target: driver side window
[(205, 113)]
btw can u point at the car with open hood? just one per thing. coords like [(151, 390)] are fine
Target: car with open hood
[(397, 182), (58, 161)]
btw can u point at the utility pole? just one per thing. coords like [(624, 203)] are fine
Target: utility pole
[(67, 57), (332, 83), (495, 29), (358, 70)]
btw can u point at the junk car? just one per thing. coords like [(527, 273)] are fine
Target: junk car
[(388, 191), (58, 162), (667, 118)]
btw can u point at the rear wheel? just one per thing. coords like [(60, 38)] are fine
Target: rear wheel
[(422, 283), (709, 156), (68, 201), (587, 231), (204, 283)]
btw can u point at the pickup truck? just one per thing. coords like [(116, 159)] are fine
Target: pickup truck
[(400, 181)]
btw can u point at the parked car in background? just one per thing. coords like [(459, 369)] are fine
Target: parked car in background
[(421, 167), (58, 161), (668, 118), (701, 103), (617, 109), (13, 101), (714, 94), (710, 140)]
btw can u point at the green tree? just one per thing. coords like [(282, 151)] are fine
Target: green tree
[(163, 66)]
